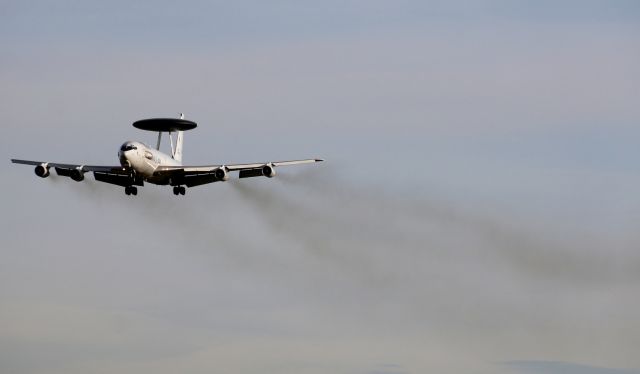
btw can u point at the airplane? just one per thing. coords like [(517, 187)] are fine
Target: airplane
[(140, 163)]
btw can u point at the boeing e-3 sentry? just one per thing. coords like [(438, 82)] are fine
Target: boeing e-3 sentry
[(140, 163)]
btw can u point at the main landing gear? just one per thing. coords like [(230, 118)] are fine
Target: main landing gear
[(131, 190), (179, 190)]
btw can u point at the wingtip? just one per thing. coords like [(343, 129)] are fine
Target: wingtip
[(319, 160)]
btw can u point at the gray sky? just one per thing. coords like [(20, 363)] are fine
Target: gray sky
[(477, 213)]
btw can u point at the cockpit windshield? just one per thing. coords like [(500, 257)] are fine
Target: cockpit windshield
[(127, 147)]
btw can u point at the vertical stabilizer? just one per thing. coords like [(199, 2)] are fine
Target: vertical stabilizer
[(177, 154)]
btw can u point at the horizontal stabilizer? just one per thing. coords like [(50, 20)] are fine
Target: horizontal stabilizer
[(63, 171), (250, 173), (200, 179), (117, 179)]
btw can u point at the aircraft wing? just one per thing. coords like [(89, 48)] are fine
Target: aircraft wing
[(197, 175), (109, 174), (232, 167), (85, 168)]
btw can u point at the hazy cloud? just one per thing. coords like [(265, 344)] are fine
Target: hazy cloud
[(478, 203)]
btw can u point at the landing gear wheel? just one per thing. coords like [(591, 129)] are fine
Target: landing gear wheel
[(127, 190), (179, 190), (134, 191)]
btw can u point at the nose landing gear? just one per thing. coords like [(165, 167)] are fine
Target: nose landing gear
[(179, 190), (131, 190)]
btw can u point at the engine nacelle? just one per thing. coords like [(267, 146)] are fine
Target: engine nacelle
[(221, 173), (42, 170), (77, 174), (269, 170)]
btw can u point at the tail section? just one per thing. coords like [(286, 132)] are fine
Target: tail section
[(177, 154)]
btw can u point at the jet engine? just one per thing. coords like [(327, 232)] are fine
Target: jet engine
[(221, 173), (269, 170), (42, 170), (77, 174)]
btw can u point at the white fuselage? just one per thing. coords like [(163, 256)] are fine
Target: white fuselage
[(145, 160)]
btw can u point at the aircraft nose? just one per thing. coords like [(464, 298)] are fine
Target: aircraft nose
[(124, 160)]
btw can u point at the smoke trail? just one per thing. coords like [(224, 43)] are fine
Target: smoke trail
[(332, 219), (315, 232)]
